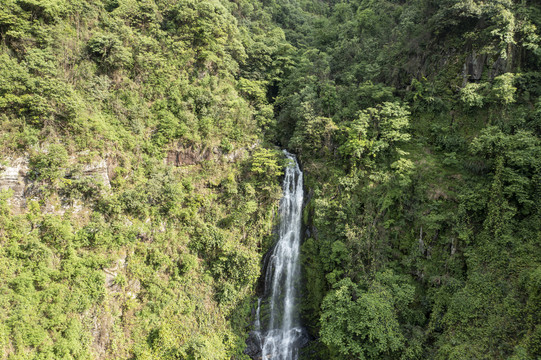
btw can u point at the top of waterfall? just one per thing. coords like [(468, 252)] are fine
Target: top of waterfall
[(292, 157)]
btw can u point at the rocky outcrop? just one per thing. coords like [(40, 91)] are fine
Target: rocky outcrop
[(498, 67), (131, 286), (192, 155), (111, 273), (475, 64), (188, 156), (98, 170), (13, 176), (102, 323), (118, 292), (473, 67)]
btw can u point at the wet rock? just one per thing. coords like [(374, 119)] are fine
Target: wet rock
[(253, 345), (303, 339), (499, 67), (473, 67)]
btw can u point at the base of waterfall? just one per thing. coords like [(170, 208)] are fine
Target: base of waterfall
[(297, 337)]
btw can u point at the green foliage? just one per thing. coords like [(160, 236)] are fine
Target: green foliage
[(375, 131), (108, 51), (429, 170), (313, 134), (265, 164), (417, 124), (50, 164), (362, 323), (111, 92), (503, 89), (470, 95)]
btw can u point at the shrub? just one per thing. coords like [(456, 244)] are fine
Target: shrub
[(470, 95), (50, 164)]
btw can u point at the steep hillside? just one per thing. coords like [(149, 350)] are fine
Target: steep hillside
[(418, 126), (137, 195)]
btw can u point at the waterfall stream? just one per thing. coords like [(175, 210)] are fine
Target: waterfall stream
[(281, 337)]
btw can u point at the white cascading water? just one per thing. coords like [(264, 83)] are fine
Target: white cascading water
[(281, 340)]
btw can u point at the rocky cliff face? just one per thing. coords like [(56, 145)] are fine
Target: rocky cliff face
[(98, 170), (191, 155), (14, 175), (476, 64)]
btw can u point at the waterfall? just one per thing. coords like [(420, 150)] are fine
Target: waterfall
[(283, 335)]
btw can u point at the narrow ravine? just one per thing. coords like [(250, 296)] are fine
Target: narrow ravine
[(281, 336)]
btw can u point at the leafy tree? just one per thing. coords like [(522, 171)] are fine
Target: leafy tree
[(313, 134), (375, 132), (361, 322), (471, 95)]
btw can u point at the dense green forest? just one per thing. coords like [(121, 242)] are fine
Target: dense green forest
[(140, 174)]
